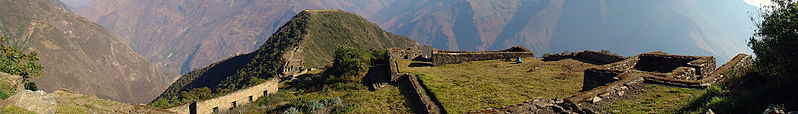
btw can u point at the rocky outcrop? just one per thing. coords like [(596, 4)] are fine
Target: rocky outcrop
[(36, 101)]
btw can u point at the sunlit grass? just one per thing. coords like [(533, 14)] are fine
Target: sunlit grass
[(656, 99), (483, 84)]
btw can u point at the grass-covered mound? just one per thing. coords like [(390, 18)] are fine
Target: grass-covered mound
[(484, 84), (317, 32)]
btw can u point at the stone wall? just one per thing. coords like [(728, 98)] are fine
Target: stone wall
[(419, 94), (442, 57), (587, 55), (405, 53), (229, 101), (293, 62), (659, 62), (595, 77), (456, 58)]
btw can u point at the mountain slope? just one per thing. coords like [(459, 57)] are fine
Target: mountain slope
[(473, 24), (315, 33), (79, 55), (182, 35)]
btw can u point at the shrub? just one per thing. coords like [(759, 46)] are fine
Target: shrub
[(292, 110), (350, 64), (18, 62), (331, 101), (312, 106), (775, 40)]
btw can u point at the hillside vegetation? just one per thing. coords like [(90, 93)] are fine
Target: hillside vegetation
[(318, 32)]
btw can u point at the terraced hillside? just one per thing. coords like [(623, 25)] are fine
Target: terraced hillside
[(77, 54), (472, 86), (317, 33)]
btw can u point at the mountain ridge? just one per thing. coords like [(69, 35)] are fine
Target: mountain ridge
[(313, 35)]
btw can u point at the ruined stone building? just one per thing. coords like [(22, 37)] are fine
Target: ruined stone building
[(229, 101)]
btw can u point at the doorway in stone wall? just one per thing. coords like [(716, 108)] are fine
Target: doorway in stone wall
[(192, 108)]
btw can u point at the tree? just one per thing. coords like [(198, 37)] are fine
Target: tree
[(350, 64), (775, 42), (17, 62)]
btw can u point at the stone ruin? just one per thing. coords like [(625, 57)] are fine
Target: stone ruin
[(441, 57), (587, 56), (293, 65), (613, 79), (420, 93)]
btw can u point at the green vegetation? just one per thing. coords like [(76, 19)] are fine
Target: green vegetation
[(654, 98), (484, 84), (317, 33), (13, 109), (17, 62), (7, 89), (773, 77), (354, 98), (351, 64), (775, 40), (331, 29)]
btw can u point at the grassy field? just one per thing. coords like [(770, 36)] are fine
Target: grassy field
[(483, 84), (656, 99)]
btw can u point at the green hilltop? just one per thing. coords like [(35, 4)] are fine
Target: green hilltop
[(318, 32)]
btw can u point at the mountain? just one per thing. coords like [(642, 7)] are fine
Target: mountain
[(182, 35), (710, 27), (310, 39), (627, 27), (79, 55), (474, 24)]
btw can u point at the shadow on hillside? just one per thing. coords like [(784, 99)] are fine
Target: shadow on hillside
[(213, 76)]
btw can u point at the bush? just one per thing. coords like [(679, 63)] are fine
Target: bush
[(292, 110), (17, 62), (331, 101), (350, 64), (775, 40), (311, 106)]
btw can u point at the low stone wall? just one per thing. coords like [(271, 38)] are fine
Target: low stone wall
[(419, 94), (592, 56), (456, 58), (404, 53), (229, 101), (595, 77), (660, 62)]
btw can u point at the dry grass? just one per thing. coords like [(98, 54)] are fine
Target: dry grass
[(483, 84)]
